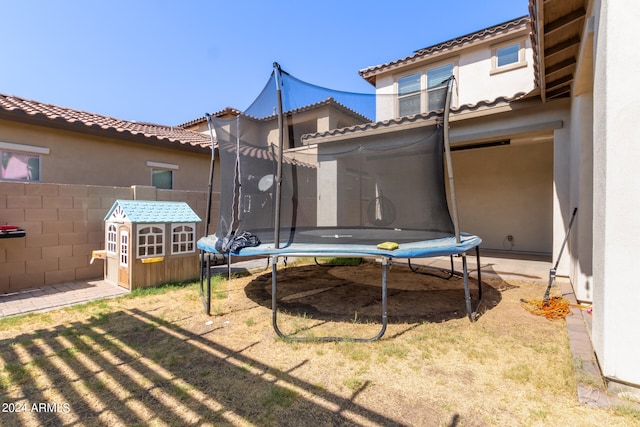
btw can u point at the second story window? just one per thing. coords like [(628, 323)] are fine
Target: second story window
[(437, 85), (409, 89), (508, 56), (424, 91)]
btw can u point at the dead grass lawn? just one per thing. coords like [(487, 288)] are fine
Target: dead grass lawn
[(159, 360)]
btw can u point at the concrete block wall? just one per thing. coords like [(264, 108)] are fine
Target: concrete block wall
[(64, 223)]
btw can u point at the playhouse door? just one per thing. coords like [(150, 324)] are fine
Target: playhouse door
[(123, 257)]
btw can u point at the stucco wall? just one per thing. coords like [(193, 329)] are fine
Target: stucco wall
[(477, 83), (507, 191), (64, 223), (475, 80), (616, 198), (77, 158), (581, 237)]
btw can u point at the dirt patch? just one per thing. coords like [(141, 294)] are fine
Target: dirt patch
[(352, 293)]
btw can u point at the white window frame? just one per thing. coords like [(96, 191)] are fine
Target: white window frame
[(419, 94), (147, 244), (164, 167), (424, 92), (428, 90), (30, 150), (183, 241), (522, 60), (112, 238)]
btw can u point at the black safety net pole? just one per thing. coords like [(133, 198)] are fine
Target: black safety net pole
[(211, 170), (276, 227), (205, 297), (447, 152)]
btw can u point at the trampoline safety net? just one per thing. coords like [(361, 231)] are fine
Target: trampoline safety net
[(344, 178)]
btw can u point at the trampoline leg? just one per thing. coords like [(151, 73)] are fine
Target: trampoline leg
[(274, 308), (205, 291), (274, 297), (467, 293), (479, 280), (473, 314), (201, 264), (384, 299)]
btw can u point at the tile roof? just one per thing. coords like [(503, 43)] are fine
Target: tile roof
[(15, 108), (370, 73), (329, 101), (144, 211), (481, 105), (224, 113)]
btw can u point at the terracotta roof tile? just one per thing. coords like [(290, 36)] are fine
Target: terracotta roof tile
[(226, 112), (370, 72), (503, 100), (61, 115), (330, 101)]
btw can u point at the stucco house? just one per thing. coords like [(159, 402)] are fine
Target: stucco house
[(62, 169), (543, 123), (500, 143), (67, 146), (579, 48)]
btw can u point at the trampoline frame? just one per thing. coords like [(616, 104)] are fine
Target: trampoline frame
[(385, 261)]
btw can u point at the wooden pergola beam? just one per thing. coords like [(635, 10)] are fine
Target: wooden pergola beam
[(563, 21)]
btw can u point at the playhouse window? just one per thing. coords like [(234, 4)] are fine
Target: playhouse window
[(112, 238), (183, 237), (150, 241), (124, 249)]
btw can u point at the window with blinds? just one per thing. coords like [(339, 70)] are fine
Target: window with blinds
[(409, 88), (423, 91)]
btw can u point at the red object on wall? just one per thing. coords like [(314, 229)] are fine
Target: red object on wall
[(7, 231)]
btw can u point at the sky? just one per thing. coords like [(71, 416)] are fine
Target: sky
[(169, 62)]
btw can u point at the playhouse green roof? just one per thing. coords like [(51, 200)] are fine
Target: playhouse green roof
[(144, 211)]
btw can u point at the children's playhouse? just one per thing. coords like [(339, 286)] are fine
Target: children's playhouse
[(149, 243)]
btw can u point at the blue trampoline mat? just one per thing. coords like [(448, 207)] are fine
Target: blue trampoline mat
[(418, 249)]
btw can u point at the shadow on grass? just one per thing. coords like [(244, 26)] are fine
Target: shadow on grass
[(337, 293), (132, 368)]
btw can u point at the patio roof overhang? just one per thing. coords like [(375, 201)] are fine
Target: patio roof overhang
[(559, 35)]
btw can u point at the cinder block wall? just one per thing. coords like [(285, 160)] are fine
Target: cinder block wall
[(64, 223)]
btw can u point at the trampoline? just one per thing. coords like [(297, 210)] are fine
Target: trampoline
[(291, 189)]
